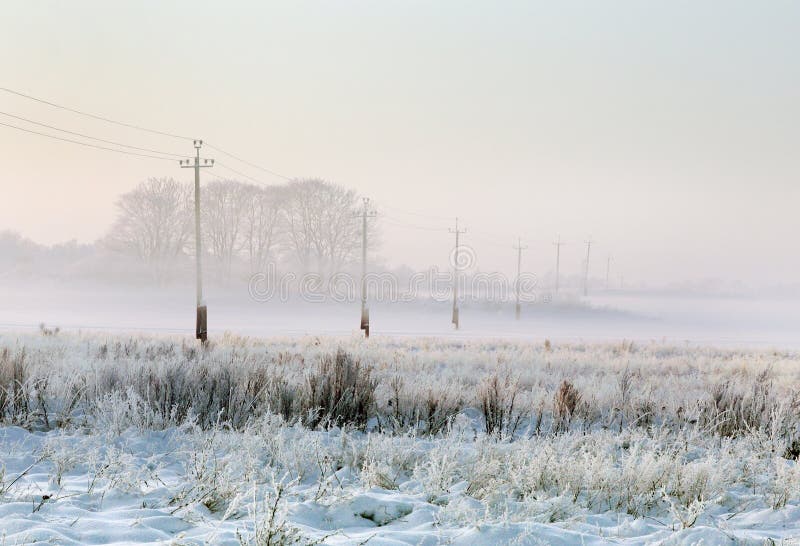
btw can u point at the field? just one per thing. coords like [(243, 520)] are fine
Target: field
[(338, 440)]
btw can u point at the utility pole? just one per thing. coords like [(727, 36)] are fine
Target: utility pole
[(455, 275), (365, 213), (519, 249), (586, 271), (608, 270), (558, 244), (201, 328)]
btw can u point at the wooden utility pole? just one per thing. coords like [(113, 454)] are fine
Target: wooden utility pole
[(365, 213), (455, 275), (586, 271), (201, 325), (608, 271), (558, 244), (519, 249)]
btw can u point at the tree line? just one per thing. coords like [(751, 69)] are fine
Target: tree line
[(306, 225)]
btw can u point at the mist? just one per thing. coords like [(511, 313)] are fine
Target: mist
[(399, 272), (657, 132)]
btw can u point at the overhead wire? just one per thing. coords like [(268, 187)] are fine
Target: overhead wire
[(139, 128), (84, 143), (419, 214), (94, 116), (488, 240), (53, 127), (392, 220), (400, 223), (240, 173), (249, 163)]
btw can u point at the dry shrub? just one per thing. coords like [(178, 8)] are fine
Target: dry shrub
[(625, 382), (48, 332), (735, 408), (6, 381), (340, 391), (15, 391), (282, 398), (429, 410), (440, 408), (565, 403), (209, 391), (205, 387), (498, 398)]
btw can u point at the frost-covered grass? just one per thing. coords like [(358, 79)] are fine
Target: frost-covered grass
[(346, 441)]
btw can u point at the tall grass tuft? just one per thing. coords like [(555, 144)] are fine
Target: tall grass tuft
[(565, 404), (340, 391)]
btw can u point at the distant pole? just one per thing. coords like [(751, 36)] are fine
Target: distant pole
[(455, 276), (365, 213), (558, 244), (201, 325), (519, 249), (586, 271), (608, 271)]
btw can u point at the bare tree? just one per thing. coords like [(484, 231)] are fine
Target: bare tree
[(262, 225), (153, 224), (322, 231), (312, 220), (225, 205)]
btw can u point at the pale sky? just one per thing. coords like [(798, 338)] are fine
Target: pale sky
[(666, 131)]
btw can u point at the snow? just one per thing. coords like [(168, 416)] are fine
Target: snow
[(116, 476), (135, 505)]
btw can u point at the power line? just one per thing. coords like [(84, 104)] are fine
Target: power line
[(411, 226), (237, 158), (88, 136), (84, 143), (402, 223), (421, 215), (240, 173), (139, 128), (173, 135), (488, 240), (94, 116), (393, 220)]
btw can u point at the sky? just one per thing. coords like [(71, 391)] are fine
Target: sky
[(666, 132)]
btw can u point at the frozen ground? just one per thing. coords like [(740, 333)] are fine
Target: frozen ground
[(112, 439)]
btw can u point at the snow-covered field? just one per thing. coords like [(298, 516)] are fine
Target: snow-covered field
[(340, 440)]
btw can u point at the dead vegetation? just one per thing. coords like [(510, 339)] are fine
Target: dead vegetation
[(68, 381), (498, 395), (565, 405)]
